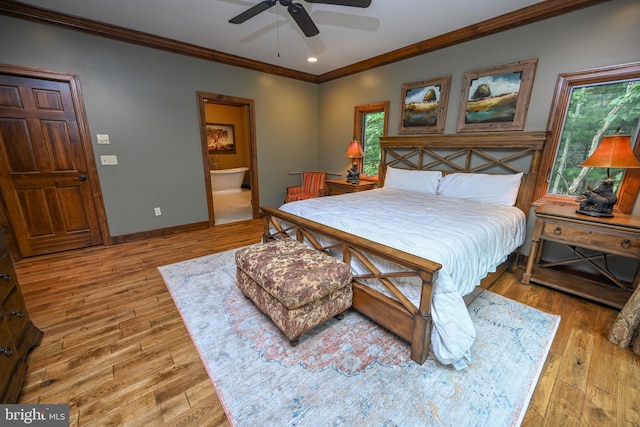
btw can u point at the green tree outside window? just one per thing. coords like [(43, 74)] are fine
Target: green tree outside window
[(593, 111), (373, 129), (370, 123)]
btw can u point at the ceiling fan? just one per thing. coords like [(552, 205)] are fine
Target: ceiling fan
[(297, 12)]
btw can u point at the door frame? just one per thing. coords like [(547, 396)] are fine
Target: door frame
[(85, 138), (234, 101)]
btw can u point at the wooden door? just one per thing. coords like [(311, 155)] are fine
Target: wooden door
[(45, 183)]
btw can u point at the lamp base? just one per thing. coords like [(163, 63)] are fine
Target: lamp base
[(598, 201), (353, 175), (594, 213)]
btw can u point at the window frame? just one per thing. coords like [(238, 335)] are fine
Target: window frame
[(358, 123), (628, 188)]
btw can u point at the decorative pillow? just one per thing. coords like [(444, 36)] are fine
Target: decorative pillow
[(499, 189), (412, 180)]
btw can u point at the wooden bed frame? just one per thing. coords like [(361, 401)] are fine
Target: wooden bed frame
[(495, 152)]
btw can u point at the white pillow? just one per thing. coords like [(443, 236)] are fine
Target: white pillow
[(412, 180), (499, 189)]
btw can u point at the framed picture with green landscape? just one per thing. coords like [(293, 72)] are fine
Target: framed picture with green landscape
[(424, 106), (496, 98)]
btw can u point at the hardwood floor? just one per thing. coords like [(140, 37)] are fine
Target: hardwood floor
[(116, 350)]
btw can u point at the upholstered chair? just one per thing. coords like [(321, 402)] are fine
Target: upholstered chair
[(312, 186)]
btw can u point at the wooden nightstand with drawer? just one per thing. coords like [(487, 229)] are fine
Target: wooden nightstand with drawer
[(340, 186), (583, 234)]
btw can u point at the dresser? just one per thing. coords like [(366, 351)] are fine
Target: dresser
[(18, 334), (341, 186), (589, 240)]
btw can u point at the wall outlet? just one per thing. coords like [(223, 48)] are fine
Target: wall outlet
[(109, 160), (157, 211), (102, 138)]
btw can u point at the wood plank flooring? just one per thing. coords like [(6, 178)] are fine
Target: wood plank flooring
[(116, 349)]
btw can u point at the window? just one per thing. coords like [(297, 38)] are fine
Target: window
[(588, 105), (370, 123)]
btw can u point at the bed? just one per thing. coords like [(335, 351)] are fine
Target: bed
[(415, 278)]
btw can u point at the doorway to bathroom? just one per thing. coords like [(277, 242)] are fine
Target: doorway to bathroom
[(227, 128)]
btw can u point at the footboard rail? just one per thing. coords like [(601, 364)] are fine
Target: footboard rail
[(398, 314)]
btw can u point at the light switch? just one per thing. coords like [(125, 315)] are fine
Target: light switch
[(109, 160), (103, 139)]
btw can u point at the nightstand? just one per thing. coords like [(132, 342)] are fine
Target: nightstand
[(340, 186), (583, 234)]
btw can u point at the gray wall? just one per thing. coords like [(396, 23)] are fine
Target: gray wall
[(145, 99), (606, 34)]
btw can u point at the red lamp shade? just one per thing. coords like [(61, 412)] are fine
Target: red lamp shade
[(355, 150), (613, 152)]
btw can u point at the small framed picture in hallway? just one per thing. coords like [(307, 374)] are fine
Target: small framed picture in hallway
[(221, 138)]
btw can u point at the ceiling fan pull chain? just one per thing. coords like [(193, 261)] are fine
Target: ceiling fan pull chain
[(278, 29)]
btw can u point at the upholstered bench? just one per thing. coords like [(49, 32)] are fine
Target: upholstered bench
[(295, 285)]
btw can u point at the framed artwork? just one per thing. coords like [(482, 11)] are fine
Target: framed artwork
[(221, 138), (424, 106), (496, 98)]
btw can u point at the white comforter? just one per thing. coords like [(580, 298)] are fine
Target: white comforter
[(469, 239)]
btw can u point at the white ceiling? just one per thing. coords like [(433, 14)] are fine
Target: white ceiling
[(347, 34)]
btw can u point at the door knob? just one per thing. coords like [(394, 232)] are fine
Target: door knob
[(81, 178)]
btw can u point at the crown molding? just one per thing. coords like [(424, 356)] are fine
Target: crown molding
[(528, 15), (537, 12)]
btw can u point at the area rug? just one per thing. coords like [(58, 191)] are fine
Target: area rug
[(351, 372)]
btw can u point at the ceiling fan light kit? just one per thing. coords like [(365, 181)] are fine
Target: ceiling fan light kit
[(297, 12)]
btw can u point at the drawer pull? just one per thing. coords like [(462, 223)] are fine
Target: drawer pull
[(626, 243), (6, 351), (557, 231), (5, 276), (17, 313)]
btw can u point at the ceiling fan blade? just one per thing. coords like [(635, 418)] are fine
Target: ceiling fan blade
[(352, 3), (302, 18), (252, 11)]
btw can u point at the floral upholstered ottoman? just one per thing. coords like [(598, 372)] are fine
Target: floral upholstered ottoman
[(295, 285)]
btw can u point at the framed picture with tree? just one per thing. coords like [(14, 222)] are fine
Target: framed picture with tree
[(221, 138)]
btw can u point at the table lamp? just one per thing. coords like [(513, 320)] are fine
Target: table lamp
[(613, 152), (354, 152)]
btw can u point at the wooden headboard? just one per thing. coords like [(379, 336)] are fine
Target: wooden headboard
[(478, 152)]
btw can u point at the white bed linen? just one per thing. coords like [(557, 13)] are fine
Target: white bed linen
[(469, 239)]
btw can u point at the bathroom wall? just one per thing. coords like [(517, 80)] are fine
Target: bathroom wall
[(236, 116)]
